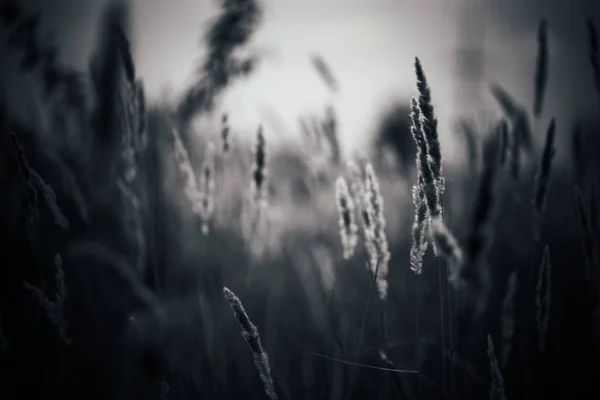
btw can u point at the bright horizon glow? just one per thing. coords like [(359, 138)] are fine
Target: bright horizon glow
[(361, 42), (369, 45)]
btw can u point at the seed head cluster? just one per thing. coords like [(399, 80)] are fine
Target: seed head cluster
[(259, 168), (207, 187), (348, 227), (225, 134), (379, 253)]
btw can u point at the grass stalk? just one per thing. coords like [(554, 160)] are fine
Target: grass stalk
[(362, 328)]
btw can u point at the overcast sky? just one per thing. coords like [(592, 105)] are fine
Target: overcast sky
[(369, 44)]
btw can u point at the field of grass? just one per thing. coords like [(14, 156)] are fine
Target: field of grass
[(142, 259)]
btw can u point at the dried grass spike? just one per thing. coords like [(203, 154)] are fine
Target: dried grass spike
[(50, 197), (541, 69), (426, 182), (542, 180), (348, 228), (190, 184), (447, 245), (259, 168), (324, 72), (497, 385), (207, 187), (225, 132), (474, 273), (381, 254), (250, 334), (429, 126), (419, 230)]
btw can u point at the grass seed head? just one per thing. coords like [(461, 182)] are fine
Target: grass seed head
[(250, 334), (225, 133), (497, 391), (207, 187), (541, 70), (429, 126), (347, 223), (259, 168), (419, 230), (542, 180), (380, 251)]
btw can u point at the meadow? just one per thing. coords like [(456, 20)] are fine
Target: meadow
[(143, 258)]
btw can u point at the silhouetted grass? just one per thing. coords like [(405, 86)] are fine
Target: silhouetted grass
[(106, 233)]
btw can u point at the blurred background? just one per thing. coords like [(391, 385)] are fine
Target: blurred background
[(370, 47), (125, 144)]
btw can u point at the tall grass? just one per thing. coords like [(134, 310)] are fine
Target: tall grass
[(112, 283)]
